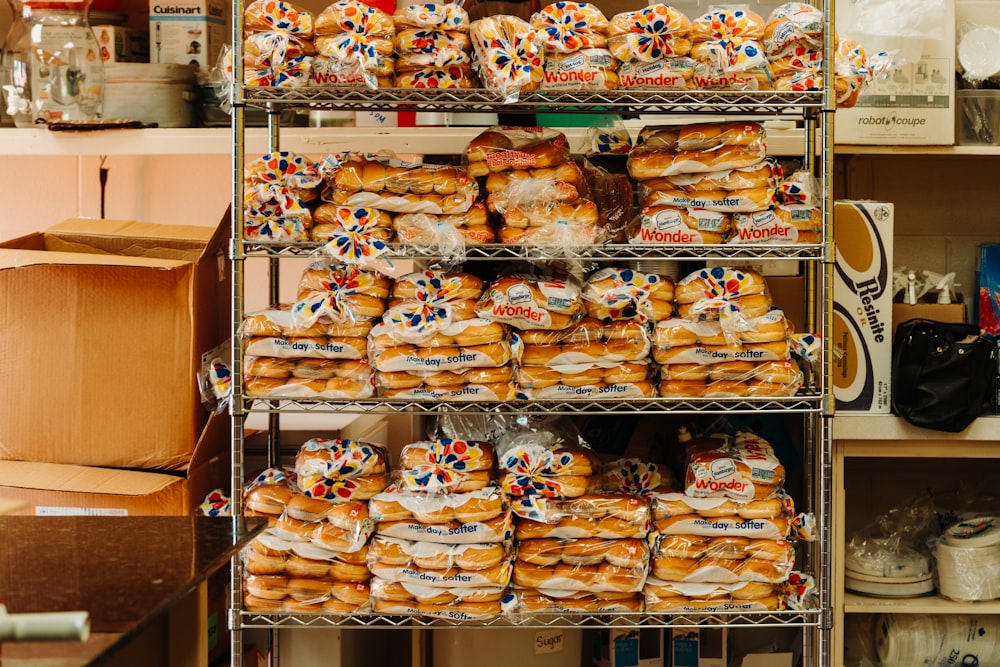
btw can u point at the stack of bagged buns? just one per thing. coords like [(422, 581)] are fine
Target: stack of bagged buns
[(443, 534), (533, 185), (432, 46), (579, 548), (722, 544), (793, 44), (727, 50), (652, 46), (313, 557), (607, 353), (277, 44), (693, 178), (726, 341), (278, 190), (318, 347), (507, 54), (282, 357), (574, 37), (429, 204), (430, 343), (354, 47)]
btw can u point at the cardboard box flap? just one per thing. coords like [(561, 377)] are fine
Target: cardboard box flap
[(82, 479), (130, 238), (12, 258)]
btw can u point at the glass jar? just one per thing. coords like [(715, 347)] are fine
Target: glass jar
[(52, 67)]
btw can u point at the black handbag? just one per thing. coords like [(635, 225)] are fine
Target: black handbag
[(943, 374)]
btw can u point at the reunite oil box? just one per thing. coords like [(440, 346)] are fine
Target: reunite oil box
[(861, 329)]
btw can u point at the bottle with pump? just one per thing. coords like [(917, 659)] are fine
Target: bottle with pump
[(52, 67)]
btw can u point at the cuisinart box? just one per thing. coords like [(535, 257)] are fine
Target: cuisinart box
[(861, 329), (189, 32), (914, 103)]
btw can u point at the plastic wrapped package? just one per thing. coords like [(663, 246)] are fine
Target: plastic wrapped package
[(391, 552), (276, 187), (508, 55), (638, 477), (597, 379), (279, 593), (741, 467), (536, 467), (678, 226), (329, 293), (445, 465), (350, 33), (568, 27), (335, 72), (586, 69), (729, 379), (415, 359), (699, 137), (615, 293), (531, 601), (800, 188), (589, 342), (443, 77), (646, 164), (397, 503), (435, 41), (457, 603), (354, 236), (308, 378), (502, 148), (780, 224), (649, 34), (446, 235), (889, 556), (426, 304), (730, 295), (671, 596), (548, 551), (274, 332), (719, 570), (343, 525), (612, 193), (967, 558), (765, 174), (532, 302), (277, 44), (604, 577), (797, 68), (793, 24), (734, 34), (443, 16), (272, 553), (935, 639), (771, 326), (674, 73), (267, 494), (390, 184), (563, 183), (725, 201), (278, 16), (497, 575), (320, 460)]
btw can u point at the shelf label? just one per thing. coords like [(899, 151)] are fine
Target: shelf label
[(548, 641)]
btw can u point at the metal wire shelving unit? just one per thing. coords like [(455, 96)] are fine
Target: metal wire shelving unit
[(813, 402)]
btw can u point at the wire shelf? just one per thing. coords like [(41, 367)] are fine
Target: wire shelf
[(606, 252), (477, 99), (807, 400), (807, 618)]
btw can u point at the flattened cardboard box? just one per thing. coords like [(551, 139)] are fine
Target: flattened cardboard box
[(47, 489), (105, 325)]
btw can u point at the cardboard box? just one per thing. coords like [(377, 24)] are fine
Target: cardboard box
[(122, 45), (188, 32), (106, 322), (862, 306), (914, 104), (628, 648), (939, 312), (54, 489), (699, 647)]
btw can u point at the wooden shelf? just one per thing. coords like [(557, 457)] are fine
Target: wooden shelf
[(932, 604), (889, 435), (940, 151)]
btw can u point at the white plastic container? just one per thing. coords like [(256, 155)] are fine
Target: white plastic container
[(161, 93)]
